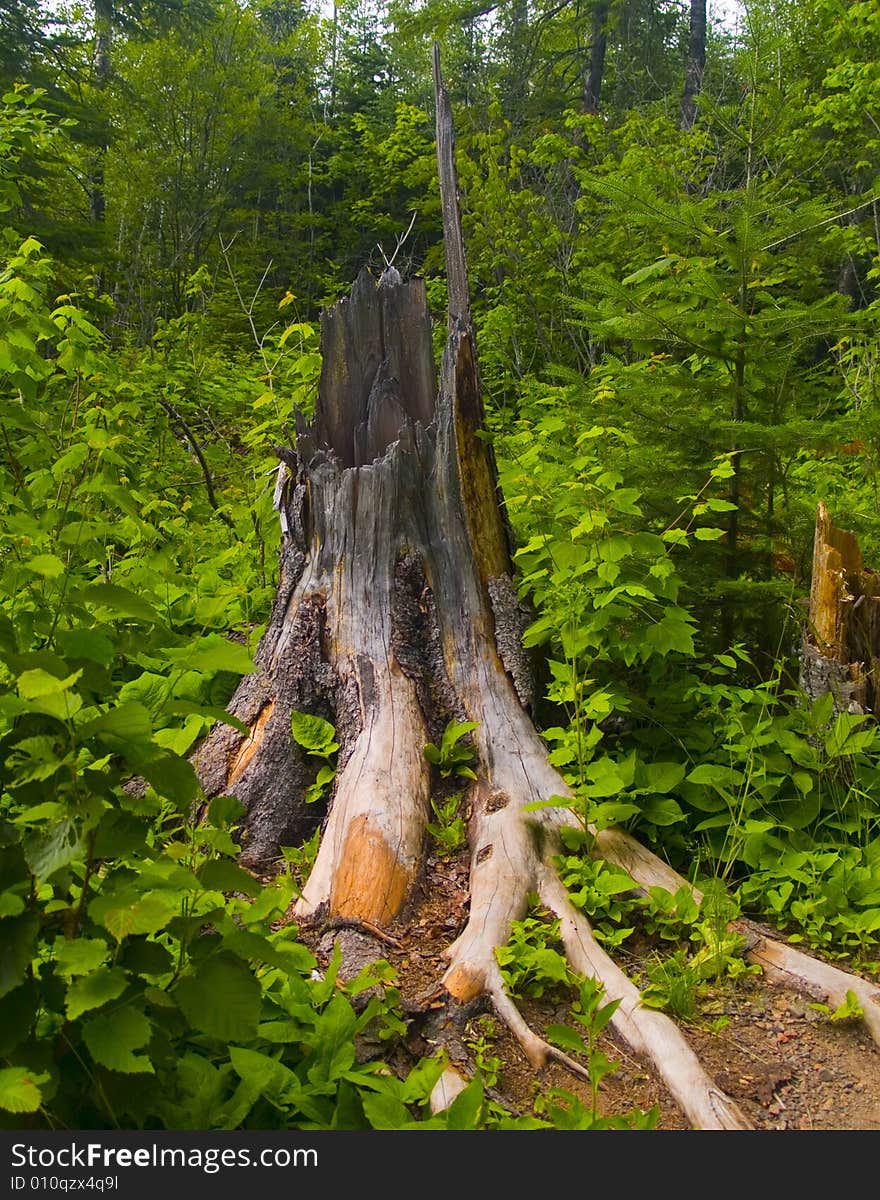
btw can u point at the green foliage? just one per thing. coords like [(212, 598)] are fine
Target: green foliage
[(448, 830), (449, 757), (317, 738), (591, 1016), (530, 964)]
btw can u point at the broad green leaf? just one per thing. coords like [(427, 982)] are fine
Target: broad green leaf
[(465, 1110), (113, 1038), (267, 1076), (80, 956), (125, 723), (214, 653), (565, 1038), (225, 810), (221, 999), (48, 852), (93, 990), (49, 566), (313, 733), (119, 602), (20, 1089), (18, 938), (11, 904), (86, 643), (128, 912), (715, 775), (223, 875), (172, 777), (385, 1112), (664, 776)]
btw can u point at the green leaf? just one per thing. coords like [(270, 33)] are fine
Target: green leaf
[(214, 653), (225, 810), (86, 643), (221, 999), (313, 733), (707, 534), (93, 990), (48, 852), (265, 1075), (113, 1038), (11, 904), (715, 775), (384, 1112), (48, 694), (333, 1040), (654, 268), (172, 777), (465, 1110), (566, 1038), (117, 729), (20, 1089), (81, 956), (664, 776), (49, 566), (18, 938), (128, 912), (118, 602), (223, 875)]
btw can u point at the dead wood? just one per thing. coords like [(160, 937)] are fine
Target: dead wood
[(396, 612)]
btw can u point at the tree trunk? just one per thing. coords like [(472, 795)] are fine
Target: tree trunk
[(396, 612), (696, 64), (103, 41), (596, 62), (840, 652)]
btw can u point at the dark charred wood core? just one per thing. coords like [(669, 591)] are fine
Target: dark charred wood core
[(418, 647)]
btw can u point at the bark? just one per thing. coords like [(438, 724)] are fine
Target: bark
[(396, 611), (102, 68), (696, 64), (596, 62), (840, 651)]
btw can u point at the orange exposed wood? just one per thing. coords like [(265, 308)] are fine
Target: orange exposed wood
[(369, 884), (464, 984), (249, 746)]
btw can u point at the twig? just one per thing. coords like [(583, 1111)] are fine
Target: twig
[(206, 471)]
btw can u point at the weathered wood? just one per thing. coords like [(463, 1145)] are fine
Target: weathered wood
[(456, 270), (840, 652)]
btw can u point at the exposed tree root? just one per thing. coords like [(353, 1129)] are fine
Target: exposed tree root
[(783, 964)]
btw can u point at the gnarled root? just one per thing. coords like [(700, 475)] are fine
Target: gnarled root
[(780, 963), (508, 861)]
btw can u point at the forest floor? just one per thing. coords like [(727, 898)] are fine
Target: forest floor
[(784, 1063)]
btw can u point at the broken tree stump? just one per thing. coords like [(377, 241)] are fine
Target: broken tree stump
[(396, 612), (840, 651)]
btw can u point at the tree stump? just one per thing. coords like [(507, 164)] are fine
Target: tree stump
[(840, 652), (396, 612)]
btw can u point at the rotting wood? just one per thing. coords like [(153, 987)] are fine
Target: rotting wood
[(840, 651), (393, 617)]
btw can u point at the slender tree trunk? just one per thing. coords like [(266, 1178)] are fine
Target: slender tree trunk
[(596, 61), (696, 64), (102, 71)]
